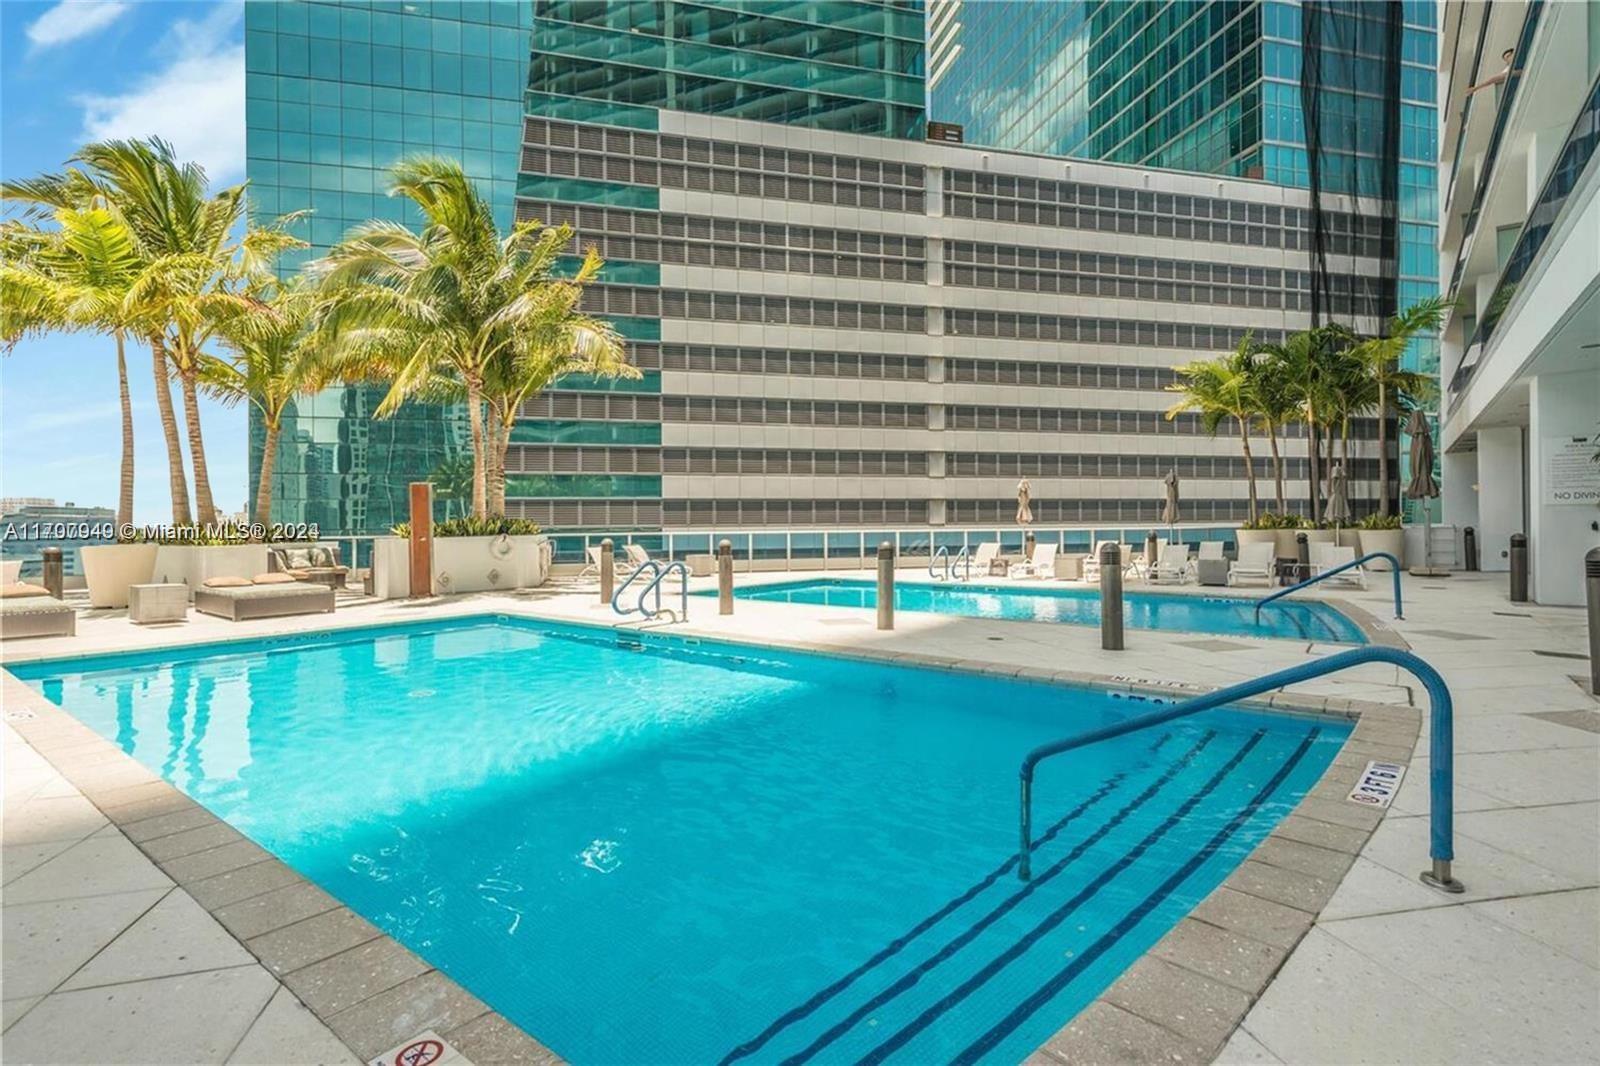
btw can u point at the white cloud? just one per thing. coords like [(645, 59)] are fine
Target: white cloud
[(196, 100), (72, 19)]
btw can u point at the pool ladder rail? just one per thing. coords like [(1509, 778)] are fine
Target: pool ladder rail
[(659, 574), (1394, 568), (961, 558), (1441, 747)]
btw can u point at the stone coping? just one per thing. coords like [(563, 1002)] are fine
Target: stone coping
[(1179, 1002)]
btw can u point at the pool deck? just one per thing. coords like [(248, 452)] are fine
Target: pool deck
[(163, 938)]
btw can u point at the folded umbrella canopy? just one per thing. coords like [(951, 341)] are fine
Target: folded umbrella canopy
[(1024, 502), (1423, 485), (1169, 513), (1337, 509)]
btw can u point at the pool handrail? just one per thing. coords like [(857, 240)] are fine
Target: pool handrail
[(942, 551), (674, 567), (1394, 568), (1440, 745), (649, 566), (962, 556)]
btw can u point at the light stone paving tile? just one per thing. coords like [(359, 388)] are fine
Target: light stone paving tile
[(1401, 844), (194, 817), (1234, 960), (1514, 732), (18, 860), (1289, 888), (1526, 778), (1321, 834), (190, 841), (40, 821), (46, 942), (1194, 1007), (286, 1032), (1302, 858), (12, 1010), (1566, 921), (1414, 798), (1242, 1049), (1372, 889), (1525, 993), (489, 1038), (193, 1018), (351, 976), (241, 884), (150, 806), (96, 867), (1564, 838), (204, 864), (1102, 1033), (1251, 916), (176, 936)]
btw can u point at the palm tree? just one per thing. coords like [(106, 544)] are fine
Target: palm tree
[(559, 340), (1396, 387), (275, 363), (1275, 407), (1305, 360), (1220, 389), (75, 277), (439, 313)]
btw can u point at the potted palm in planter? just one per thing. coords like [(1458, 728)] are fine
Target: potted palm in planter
[(1382, 533), (478, 555)]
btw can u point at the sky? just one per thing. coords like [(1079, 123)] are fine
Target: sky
[(82, 70)]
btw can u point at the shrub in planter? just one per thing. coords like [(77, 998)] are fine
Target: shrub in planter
[(479, 554)]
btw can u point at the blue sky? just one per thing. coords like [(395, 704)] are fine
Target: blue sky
[(82, 70)]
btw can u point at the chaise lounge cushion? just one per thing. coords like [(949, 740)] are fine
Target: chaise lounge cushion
[(280, 578), (19, 590), (227, 582)]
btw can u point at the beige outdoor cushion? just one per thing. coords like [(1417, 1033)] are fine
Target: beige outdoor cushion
[(272, 579), (18, 590), (296, 558), (226, 582)]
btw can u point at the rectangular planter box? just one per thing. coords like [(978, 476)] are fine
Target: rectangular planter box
[(463, 564)]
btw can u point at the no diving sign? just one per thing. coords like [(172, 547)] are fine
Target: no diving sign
[(424, 1049)]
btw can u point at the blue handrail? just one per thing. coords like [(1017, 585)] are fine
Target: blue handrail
[(648, 566), (943, 551), (1441, 745), (655, 586), (1394, 568)]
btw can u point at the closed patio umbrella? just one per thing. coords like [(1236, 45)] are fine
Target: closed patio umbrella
[(1337, 509), (1169, 512), (1422, 486), (1024, 503)]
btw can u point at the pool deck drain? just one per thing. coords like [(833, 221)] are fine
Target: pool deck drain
[(1322, 941)]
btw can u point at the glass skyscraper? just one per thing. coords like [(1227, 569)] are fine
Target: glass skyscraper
[(1332, 96)]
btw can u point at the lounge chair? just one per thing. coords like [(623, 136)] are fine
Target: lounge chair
[(238, 599), (637, 556), (10, 572), (30, 611), (1326, 557), (1256, 562), (1042, 565), (621, 565), (1172, 566), (317, 562), (1091, 561), (985, 557)]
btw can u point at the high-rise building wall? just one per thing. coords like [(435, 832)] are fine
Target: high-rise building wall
[(835, 328)]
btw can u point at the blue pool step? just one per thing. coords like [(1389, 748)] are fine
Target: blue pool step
[(1125, 860)]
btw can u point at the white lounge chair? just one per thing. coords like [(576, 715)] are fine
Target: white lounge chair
[(1043, 563), (1091, 561), (983, 559), (1210, 549), (1172, 567), (621, 564), (1256, 562), (1325, 557), (637, 556)]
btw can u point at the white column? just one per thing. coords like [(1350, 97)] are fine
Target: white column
[(1563, 410), (1500, 494)]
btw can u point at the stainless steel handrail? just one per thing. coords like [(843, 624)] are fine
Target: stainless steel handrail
[(651, 567), (655, 586), (1394, 567), (941, 552), (1441, 746)]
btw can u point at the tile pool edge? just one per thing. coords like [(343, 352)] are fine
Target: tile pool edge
[(1185, 996)]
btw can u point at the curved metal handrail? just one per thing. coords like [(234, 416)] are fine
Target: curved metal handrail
[(1440, 744), (1394, 568), (648, 566), (655, 586), (943, 551), (950, 564)]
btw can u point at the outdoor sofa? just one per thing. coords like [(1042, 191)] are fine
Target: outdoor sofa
[(30, 611), (318, 563)]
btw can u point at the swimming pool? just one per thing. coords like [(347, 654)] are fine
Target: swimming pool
[(654, 849), (1223, 615)]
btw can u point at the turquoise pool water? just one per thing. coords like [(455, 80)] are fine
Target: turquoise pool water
[(1224, 615), (656, 850)]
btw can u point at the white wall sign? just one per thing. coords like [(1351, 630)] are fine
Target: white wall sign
[(1378, 784), (1571, 476)]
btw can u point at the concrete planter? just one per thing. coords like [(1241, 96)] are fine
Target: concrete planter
[(482, 564), (1259, 536), (195, 564), (1383, 540), (108, 570), (1319, 536), (391, 568)]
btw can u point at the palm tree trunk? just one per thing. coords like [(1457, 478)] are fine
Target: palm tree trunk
[(269, 458), (480, 486), (1383, 448), (1277, 465), (205, 507), (508, 421), (1249, 467), (176, 482), (125, 488), (496, 504), (1311, 454)]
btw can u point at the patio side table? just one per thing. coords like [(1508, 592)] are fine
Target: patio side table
[(1212, 571), (158, 603)]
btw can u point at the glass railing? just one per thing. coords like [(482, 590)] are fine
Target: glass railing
[(1466, 106), (1571, 162)]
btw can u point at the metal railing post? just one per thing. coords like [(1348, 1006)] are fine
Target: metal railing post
[(1111, 597), (1441, 746), (54, 571), (886, 585), (608, 571), (725, 577)]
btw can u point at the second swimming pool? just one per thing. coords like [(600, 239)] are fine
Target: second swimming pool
[(1224, 615)]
